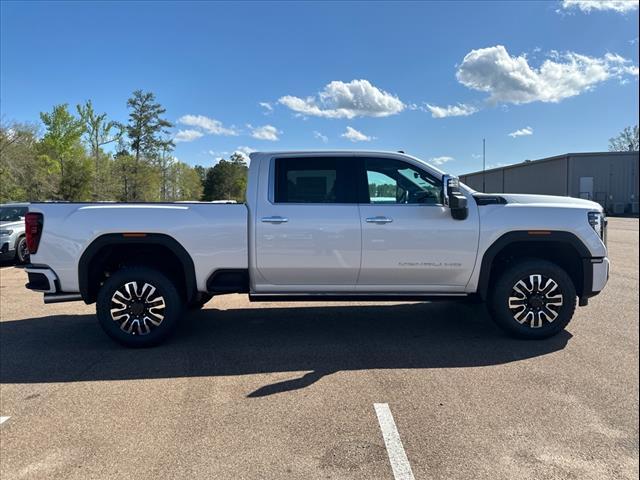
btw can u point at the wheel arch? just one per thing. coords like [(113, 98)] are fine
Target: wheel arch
[(116, 246), (562, 248)]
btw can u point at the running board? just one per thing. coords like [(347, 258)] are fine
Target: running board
[(61, 297), (324, 297)]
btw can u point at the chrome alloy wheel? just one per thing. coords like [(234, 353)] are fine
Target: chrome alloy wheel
[(137, 309), (534, 300)]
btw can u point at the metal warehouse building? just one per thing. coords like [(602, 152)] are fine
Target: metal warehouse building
[(609, 178)]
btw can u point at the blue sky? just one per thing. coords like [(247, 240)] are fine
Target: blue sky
[(429, 78)]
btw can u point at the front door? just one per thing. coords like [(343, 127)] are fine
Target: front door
[(410, 242), (308, 235)]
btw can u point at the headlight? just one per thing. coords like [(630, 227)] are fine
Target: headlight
[(596, 220), (6, 232)]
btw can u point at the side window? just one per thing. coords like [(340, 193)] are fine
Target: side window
[(396, 182), (314, 180)]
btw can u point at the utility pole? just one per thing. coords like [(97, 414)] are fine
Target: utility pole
[(484, 166)]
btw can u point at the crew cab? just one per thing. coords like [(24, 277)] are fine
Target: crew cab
[(324, 225)]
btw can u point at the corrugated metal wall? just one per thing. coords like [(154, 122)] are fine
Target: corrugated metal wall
[(545, 178), (615, 178)]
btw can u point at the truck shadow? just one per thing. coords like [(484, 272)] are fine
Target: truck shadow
[(320, 340)]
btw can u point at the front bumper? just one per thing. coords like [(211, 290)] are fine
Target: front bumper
[(596, 276), (600, 275)]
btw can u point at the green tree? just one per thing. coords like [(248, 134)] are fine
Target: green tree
[(62, 145), (147, 132), (627, 141), (128, 176), (227, 180), (123, 174), (165, 162), (99, 132), (184, 183), (24, 174), (202, 174)]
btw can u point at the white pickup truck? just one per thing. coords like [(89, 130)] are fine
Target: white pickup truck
[(334, 225)]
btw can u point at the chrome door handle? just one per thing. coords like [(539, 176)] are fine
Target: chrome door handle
[(275, 219), (379, 220)]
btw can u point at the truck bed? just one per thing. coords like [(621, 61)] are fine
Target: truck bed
[(215, 235)]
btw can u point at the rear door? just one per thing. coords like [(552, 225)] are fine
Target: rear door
[(410, 242), (308, 234)]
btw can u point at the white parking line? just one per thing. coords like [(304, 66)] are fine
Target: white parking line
[(3, 419), (398, 458)]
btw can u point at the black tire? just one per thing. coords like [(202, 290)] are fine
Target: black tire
[(538, 308), (199, 301), (22, 254), (142, 317)]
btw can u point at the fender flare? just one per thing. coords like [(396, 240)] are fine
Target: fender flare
[(111, 239), (533, 236)]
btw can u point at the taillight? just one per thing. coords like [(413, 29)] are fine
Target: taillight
[(33, 230)]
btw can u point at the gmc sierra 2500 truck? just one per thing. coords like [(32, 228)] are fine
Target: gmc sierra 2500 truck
[(334, 225)]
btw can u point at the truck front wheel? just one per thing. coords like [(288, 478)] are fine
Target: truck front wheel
[(533, 299), (138, 307)]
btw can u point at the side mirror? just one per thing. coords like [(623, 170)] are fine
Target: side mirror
[(454, 198)]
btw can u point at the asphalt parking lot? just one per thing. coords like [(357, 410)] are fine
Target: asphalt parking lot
[(269, 391)]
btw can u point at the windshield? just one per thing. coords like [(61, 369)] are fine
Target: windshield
[(12, 214)]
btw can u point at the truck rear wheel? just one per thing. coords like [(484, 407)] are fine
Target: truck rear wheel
[(138, 307), (533, 299)]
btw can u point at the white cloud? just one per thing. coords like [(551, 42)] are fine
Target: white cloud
[(586, 6), (440, 160), (209, 125), (523, 132), (266, 132), (621, 66), (187, 136), (320, 136), (509, 79), (358, 98), (459, 110), (356, 136), (217, 155), (268, 108), (245, 152)]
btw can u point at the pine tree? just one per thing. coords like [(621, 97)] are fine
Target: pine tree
[(147, 132)]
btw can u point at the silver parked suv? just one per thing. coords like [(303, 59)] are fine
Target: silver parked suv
[(13, 244)]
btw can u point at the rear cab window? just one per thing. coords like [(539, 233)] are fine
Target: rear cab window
[(315, 180)]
